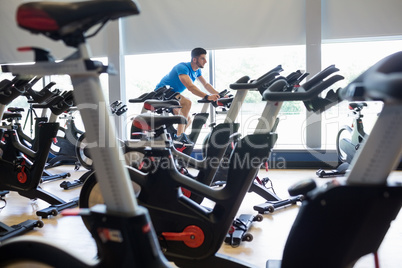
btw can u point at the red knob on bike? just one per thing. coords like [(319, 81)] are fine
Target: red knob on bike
[(22, 176), (192, 236)]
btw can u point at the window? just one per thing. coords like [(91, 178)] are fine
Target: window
[(143, 73), (352, 58), (232, 64)]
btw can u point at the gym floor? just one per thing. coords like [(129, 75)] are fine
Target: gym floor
[(269, 235)]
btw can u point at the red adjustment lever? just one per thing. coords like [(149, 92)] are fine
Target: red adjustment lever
[(71, 212), (22, 176), (40, 54), (149, 107), (140, 124), (192, 236), (186, 193), (75, 212)]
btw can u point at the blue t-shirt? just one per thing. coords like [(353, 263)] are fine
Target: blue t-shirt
[(172, 78)]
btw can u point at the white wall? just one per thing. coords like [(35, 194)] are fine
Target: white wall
[(178, 25), (13, 37), (361, 18), (184, 24)]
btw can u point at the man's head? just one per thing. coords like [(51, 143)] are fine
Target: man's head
[(199, 57)]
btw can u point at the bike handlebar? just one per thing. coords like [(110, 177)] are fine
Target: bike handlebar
[(308, 91), (382, 81), (42, 95), (259, 81), (221, 94), (320, 76), (58, 104), (12, 89)]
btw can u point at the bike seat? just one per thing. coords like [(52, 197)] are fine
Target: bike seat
[(156, 94), (59, 20), (153, 105), (143, 97), (11, 115), (151, 122), (359, 105), (15, 109)]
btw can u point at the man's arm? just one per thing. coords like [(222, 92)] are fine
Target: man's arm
[(186, 80), (207, 85)]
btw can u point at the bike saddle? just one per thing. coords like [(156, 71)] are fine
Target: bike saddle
[(142, 97), (359, 105), (61, 20), (153, 105), (156, 94), (15, 109), (151, 122), (11, 115)]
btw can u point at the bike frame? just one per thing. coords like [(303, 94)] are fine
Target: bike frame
[(358, 134), (100, 129), (122, 212)]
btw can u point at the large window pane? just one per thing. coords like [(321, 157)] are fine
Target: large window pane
[(231, 64), (143, 73), (352, 58)]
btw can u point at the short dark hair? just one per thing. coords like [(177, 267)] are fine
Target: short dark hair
[(198, 51)]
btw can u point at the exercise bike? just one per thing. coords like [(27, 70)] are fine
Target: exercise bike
[(144, 137), (134, 243), (217, 142), (268, 122), (9, 90), (37, 99), (34, 97), (348, 141), (200, 119), (190, 233), (81, 151), (64, 146), (21, 168), (348, 218), (291, 84)]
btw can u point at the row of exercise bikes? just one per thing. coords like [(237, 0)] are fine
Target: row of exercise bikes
[(154, 207)]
